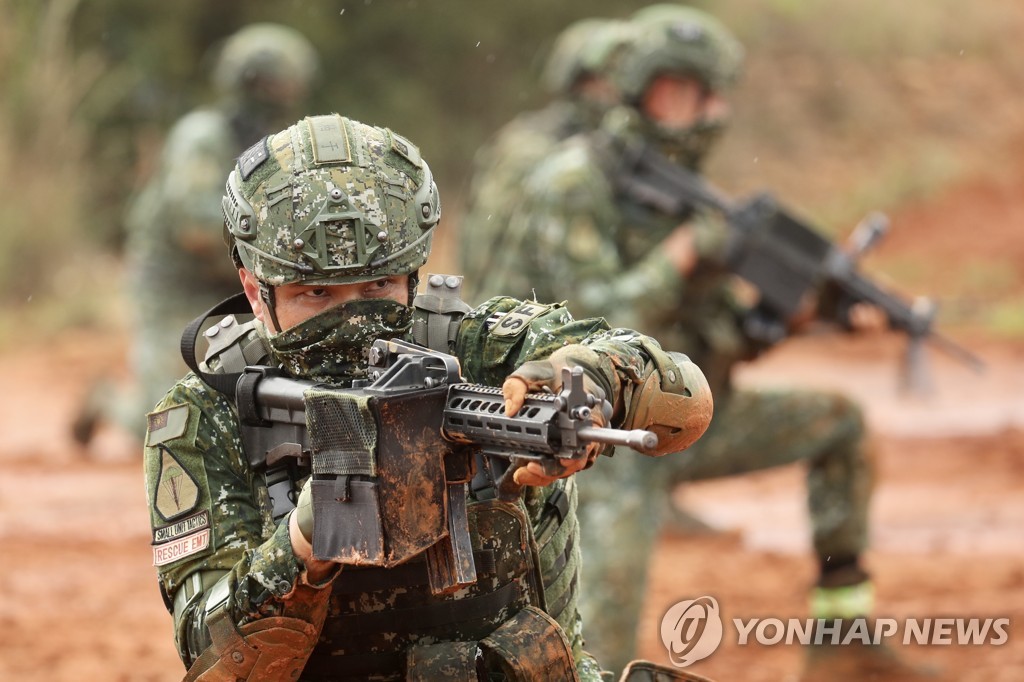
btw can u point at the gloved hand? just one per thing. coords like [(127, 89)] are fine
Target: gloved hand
[(304, 511), (300, 531), (702, 238), (536, 376)]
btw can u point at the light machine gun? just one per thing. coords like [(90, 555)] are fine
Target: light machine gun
[(392, 456), (785, 258)]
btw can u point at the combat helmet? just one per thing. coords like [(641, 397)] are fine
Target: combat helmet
[(680, 40), (264, 53), (585, 47), (330, 200)]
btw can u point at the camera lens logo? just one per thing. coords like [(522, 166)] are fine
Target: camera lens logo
[(691, 630)]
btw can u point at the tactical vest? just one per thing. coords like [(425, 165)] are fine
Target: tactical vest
[(385, 623)]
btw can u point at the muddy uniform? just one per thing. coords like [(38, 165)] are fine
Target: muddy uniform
[(579, 239), (214, 526)]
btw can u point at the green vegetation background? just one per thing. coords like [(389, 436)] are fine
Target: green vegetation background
[(847, 105)]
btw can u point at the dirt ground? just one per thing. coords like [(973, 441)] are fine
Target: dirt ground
[(78, 597)]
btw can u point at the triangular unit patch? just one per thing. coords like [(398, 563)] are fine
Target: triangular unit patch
[(176, 491)]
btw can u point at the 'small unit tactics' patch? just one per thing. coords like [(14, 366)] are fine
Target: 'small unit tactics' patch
[(181, 538)]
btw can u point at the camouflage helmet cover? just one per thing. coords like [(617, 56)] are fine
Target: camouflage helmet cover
[(330, 200), (585, 47), (264, 52), (681, 40)]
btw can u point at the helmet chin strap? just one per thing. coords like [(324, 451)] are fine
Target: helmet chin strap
[(269, 302), (414, 284)]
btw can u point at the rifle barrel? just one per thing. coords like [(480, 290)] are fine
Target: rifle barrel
[(638, 439)]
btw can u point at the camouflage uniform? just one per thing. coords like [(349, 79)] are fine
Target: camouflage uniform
[(580, 51), (174, 249), (573, 236), (239, 595)]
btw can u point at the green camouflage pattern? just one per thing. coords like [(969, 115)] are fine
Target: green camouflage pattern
[(333, 345), (174, 252), (260, 53), (331, 201), (677, 39), (586, 47), (571, 236), (500, 167), (174, 248), (622, 504), (194, 437)]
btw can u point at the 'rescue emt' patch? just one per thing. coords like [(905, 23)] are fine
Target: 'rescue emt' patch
[(176, 491), (186, 526), (515, 322), (181, 548), (166, 424)]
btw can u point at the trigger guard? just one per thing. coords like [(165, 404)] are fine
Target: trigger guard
[(553, 467)]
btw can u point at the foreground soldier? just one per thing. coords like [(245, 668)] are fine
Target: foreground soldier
[(329, 222), (174, 246), (621, 259)]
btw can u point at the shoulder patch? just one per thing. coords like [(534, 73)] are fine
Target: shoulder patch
[(167, 424), (177, 493), (517, 321), (252, 157)]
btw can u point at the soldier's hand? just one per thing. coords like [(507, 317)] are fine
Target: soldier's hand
[(533, 473), (538, 376), (304, 511), (680, 246), (867, 318), (300, 532)]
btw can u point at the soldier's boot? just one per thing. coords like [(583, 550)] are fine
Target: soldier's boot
[(90, 413), (846, 646)]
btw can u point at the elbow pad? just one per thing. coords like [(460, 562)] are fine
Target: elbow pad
[(269, 649), (673, 400)]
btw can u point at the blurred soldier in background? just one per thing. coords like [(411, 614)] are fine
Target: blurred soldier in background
[(174, 245), (571, 235), (574, 78)]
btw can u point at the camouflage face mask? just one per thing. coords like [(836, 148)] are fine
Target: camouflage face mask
[(332, 346), (687, 146)]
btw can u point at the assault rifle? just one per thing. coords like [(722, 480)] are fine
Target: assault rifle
[(392, 456), (785, 259)]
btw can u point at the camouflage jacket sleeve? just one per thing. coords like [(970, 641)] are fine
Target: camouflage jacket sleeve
[(212, 526), (503, 333), (569, 234)]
